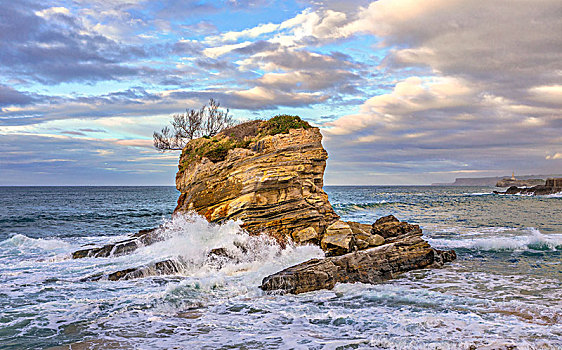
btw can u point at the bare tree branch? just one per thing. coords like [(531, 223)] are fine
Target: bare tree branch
[(208, 121)]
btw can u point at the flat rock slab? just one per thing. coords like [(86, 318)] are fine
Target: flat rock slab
[(139, 239), (372, 265)]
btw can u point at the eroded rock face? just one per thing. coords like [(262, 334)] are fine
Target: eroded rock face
[(404, 252), (389, 226), (274, 186), (338, 239)]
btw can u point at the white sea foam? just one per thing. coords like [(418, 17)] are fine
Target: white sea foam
[(530, 238), (190, 239), (43, 249)]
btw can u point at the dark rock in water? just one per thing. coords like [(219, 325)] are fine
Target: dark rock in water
[(139, 239), (552, 186), (166, 267), (373, 265)]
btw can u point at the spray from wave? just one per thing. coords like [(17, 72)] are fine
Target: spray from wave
[(200, 249)]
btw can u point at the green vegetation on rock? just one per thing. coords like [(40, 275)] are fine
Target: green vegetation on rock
[(239, 136), (281, 124)]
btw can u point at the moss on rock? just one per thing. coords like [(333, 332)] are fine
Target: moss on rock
[(281, 124), (240, 136)]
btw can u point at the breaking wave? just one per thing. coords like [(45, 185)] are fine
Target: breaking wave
[(528, 239), (202, 248)]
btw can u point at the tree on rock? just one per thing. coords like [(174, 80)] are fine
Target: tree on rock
[(205, 122)]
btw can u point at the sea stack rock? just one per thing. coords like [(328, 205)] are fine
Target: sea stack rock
[(267, 174)]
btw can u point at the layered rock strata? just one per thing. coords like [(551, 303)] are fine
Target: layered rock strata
[(404, 250), (551, 186), (274, 186)]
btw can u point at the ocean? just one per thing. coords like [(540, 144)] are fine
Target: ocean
[(503, 292)]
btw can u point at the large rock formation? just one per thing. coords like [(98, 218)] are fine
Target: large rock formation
[(551, 186), (269, 175), (273, 184)]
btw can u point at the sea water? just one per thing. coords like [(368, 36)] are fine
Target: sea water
[(503, 292)]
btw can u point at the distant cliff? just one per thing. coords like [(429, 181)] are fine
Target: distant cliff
[(520, 183), (492, 181)]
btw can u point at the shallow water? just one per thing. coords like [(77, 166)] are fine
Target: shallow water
[(504, 289)]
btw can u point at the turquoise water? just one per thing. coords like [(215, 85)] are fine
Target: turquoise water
[(504, 290)]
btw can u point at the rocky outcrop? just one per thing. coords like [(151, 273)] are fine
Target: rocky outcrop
[(274, 184), (508, 182), (551, 186), (269, 175), (403, 251), (139, 239)]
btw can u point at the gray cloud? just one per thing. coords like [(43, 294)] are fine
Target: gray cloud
[(77, 161), (12, 97), (52, 47)]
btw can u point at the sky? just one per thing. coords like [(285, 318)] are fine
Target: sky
[(404, 91)]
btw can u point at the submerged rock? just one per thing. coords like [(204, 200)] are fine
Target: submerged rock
[(165, 267), (406, 251)]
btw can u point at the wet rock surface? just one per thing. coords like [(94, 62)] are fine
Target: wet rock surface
[(404, 251), (274, 186), (139, 239)]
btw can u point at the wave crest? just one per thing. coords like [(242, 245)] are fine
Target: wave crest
[(529, 239)]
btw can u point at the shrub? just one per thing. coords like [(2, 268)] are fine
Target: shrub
[(281, 124), (240, 136)]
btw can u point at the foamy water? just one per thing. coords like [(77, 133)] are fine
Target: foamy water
[(504, 289)]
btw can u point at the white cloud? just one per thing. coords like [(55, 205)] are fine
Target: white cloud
[(217, 51), (52, 11), (551, 94)]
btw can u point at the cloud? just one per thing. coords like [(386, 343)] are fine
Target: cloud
[(484, 82), (506, 44), (401, 87), (441, 123), (39, 159), (12, 97), (217, 51), (75, 133), (51, 46)]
